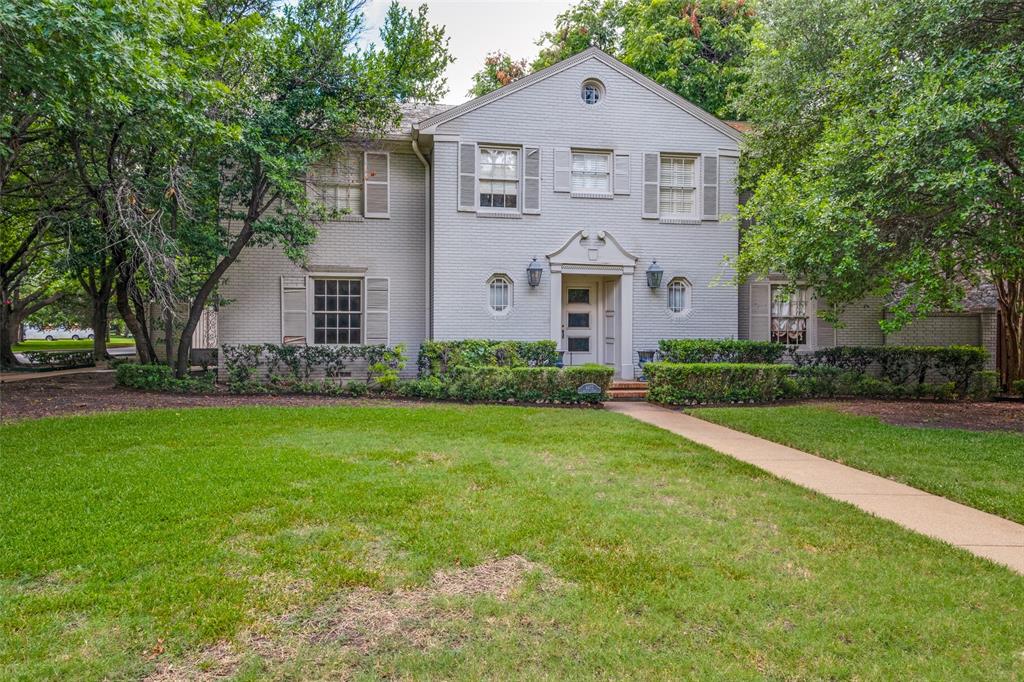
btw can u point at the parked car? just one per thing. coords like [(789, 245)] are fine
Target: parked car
[(54, 333)]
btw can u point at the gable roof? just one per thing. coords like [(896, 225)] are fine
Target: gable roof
[(428, 125)]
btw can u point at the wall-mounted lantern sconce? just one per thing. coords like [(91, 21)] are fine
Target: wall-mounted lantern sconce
[(654, 275), (533, 271)]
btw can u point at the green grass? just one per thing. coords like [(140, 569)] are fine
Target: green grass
[(981, 469), (131, 540), (69, 344)]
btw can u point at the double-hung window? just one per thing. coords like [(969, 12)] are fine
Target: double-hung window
[(677, 187), (337, 311), (789, 315), (339, 183), (591, 172), (499, 178)]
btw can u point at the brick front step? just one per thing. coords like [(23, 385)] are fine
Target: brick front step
[(627, 394), (629, 386)]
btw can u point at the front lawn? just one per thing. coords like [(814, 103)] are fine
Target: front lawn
[(69, 344), (984, 470), (459, 542)]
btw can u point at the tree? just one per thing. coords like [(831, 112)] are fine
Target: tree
[(886, 156), (695, 48), (296, 86), (499, 70)]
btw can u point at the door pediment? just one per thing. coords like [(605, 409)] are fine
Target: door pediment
[(595, 249)]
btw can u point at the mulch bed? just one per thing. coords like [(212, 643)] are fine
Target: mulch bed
[(993, 416), (85, 393)]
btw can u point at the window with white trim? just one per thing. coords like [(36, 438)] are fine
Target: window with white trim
[(591, 91), (679, 295), (499, 178), (338, 183), (337, 311), (677, 187), (789, 315), (499, 294), (591, 172)]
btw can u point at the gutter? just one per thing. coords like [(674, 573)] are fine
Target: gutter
[(427, 291)]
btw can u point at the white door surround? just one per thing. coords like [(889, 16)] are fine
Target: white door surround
[(602, 259)]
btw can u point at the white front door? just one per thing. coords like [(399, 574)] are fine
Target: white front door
[(580, 321)]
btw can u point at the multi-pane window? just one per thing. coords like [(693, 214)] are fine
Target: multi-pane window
[(789, 315), (591, 92), (337, 311), (678, 295), (678, 187), (339, 183), (499, 293), (591, 172), (499, 178)]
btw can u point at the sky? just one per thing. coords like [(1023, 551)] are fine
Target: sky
[(477, 27)]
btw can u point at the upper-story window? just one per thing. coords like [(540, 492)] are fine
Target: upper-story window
[(591, 172), (789, 315), (499, 178), (677, 187), (338, 183), (592, 91)]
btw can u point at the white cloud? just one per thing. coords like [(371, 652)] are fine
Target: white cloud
[(477, 27)]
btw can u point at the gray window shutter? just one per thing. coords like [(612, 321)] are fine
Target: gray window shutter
[(709, 177), (621, 173), (294, 316), (467, 176), (652, 168), (760, 311), (378, 303), (563, 169), (376, 185), (531, 180)]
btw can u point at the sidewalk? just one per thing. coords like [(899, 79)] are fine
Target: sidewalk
[(12, 377), (985, 535)]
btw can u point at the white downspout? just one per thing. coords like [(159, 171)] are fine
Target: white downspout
[(426, 229)]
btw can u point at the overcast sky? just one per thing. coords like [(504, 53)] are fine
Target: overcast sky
[(476, 27)]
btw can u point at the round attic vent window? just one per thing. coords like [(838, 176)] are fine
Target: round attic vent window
[(592, 91)]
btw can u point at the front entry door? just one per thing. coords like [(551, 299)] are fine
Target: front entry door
[(580, 321)]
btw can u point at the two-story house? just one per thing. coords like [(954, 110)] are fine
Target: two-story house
[(584, 203)]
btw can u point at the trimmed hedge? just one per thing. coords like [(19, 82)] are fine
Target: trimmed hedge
[(693, 383), (1017, 387), (161, 378), (288, 368), (902, 365), (515, 384), (835, 382), (690, 351), (60, 359), (441, 358)]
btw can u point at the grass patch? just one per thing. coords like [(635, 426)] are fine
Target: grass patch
[(490, 542), (69, 344), (982, 469)]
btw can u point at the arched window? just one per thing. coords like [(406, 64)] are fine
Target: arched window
[(499, 295), (592, 91), (679, 295)]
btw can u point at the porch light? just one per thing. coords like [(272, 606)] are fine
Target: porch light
[(654, 274), (533, 271)]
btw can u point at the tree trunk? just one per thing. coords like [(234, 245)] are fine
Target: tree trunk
[(142, 345), (100, 322), (8, 322), (169, 337), (1011, 306)]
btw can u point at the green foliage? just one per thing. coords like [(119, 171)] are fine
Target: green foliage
[(161, 378), (270, 366), (588, 23), (695, 383), (59, 359), (528, 384), (499, 70), (823, 381), (442, 357), (886, 154), (984, 385), (900, 365), (714, 350), (1017, 387)]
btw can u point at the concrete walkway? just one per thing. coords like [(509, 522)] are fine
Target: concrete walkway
[(988, 536), (12, 377)]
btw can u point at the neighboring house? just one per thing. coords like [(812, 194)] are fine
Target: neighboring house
[(534, 212)]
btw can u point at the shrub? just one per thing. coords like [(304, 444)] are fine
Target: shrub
[(288, 368), (161, 378), (984, 385), (429, 388), (60, 360), (440, 358), (901, 364), (528, 384), (959, 363), (1017, 387), (726, 350), (691, 383)]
